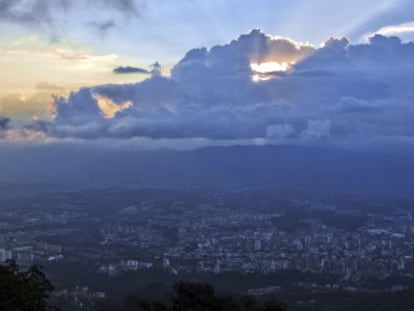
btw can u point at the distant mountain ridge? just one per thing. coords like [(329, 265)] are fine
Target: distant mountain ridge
[(276, 167)]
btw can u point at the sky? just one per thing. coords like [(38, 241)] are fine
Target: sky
[(325, 72)]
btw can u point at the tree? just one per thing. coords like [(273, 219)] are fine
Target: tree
[(197, 297), (194, 297), (23, 290), (202, 297)]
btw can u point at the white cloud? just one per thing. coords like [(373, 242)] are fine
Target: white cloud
[(396, 29)]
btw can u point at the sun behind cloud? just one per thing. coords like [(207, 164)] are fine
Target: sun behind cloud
[(264, 71), (268, 67)]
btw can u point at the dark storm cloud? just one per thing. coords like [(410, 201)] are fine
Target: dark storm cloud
[(129, 69), (27, 13), (337, 93), (42, 13)]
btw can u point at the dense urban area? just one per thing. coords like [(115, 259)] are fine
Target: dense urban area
[(100, 244)]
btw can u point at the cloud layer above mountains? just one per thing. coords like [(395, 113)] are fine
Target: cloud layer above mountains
[(338, 93)]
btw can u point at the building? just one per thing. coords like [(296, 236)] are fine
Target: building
[(5, 255)]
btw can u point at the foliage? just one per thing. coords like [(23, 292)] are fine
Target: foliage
[(23, 290)]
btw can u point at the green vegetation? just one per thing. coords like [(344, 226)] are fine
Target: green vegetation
[(23, 290)]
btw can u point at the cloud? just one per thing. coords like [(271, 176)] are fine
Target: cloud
[(386, 13), (129, 69), (317, 129), (279, 131), (28, 13), (108, 107), (24, 136), (399, 29), (45, 13), (126, 6), (237, 57), (66, 66), (25, 105), (4, 122), (22, 106), (49, 87), (355, 105), (104, 26), (339, 93)]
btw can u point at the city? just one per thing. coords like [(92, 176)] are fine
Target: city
[(314, 244)]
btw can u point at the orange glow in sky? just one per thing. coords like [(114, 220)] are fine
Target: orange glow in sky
[(108, 107)]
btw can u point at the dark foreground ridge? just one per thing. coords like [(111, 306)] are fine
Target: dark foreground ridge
[(30, 291)]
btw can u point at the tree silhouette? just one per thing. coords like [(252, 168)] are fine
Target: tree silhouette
[(23, 290), (202, 297), (195, 297)]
